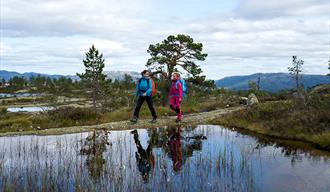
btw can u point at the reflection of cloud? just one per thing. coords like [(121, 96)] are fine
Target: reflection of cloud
[(254, 35)]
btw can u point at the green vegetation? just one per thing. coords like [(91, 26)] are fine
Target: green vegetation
[(94, 80), (176, 51), (305, 119)]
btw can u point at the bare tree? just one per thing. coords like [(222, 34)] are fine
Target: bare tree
[(296, 69)]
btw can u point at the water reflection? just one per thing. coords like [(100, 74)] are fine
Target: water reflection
[(5, 95), (294, 150), (144, 157), (94, 147), (175, 149), (29, 109), (202, 158)]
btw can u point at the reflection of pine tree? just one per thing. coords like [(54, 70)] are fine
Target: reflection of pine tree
[(94, 147)]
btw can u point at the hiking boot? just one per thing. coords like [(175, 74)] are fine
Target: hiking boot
[(153, 121), (178, 120)]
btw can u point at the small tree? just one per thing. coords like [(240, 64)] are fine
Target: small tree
[(3, 82), (258, 82), (93, 78), (176, 51), (18, 82), (296, 69), (329, 67), (253, 86)]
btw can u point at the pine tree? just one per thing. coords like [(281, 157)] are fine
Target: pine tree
[(93, 78), (176, 52), (258, 82), (329, 67), (296, 69)]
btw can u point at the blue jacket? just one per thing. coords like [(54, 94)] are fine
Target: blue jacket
[(143, 87)]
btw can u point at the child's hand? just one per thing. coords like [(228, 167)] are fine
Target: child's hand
[(144, 94)]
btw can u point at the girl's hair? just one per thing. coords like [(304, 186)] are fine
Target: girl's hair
[(144, 72)]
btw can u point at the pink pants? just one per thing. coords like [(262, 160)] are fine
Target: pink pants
[(175, 105)]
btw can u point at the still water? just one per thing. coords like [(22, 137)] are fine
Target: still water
[(7, 95), (29, 109), (202, 158)]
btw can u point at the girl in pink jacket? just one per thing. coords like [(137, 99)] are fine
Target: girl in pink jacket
[(176, 94)]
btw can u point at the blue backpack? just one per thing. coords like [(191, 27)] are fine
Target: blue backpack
[(184, 86)]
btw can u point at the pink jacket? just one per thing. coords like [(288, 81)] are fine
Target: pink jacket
[(176, 89)]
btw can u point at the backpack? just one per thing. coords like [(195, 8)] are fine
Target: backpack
[(184, 86), (153, 89)]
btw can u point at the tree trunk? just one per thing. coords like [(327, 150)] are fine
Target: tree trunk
[(297, 82), (94, 99)]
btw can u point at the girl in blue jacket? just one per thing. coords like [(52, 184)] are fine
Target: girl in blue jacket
[(143, 92)]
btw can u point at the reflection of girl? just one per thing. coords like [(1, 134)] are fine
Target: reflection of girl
[(144, 158), (176, 94), (180, 148), (175, 147)]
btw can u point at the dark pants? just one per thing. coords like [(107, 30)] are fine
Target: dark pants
[(139, 103)]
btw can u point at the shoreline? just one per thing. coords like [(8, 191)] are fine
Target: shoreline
[(189, 119), (210, 117)]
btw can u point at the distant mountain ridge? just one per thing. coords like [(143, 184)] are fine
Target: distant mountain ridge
[(272, 82), (119, 75)]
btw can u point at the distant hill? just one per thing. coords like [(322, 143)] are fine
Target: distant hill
[(271, 82), (119, 75), (10, 74)]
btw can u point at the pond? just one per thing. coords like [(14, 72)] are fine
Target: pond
[(202, 158), (7, 95), (29, 109)]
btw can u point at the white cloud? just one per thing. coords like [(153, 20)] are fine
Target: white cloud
[(274, 8), (49, 17), (256, 36)]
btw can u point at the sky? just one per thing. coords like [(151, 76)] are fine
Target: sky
[(240, 36)]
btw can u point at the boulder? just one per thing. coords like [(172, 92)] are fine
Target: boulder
[(252, 99)]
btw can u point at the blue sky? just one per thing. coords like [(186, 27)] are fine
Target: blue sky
[(240, 36)]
